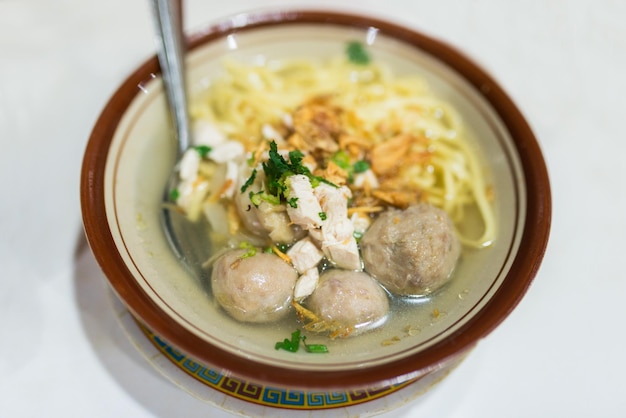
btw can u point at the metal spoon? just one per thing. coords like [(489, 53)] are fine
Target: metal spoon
[(189, 239), (168, 22)]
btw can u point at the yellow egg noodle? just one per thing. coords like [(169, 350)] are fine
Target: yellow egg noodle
[(414, 142)]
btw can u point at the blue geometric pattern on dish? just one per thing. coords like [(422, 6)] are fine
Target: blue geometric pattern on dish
[(265, 395)]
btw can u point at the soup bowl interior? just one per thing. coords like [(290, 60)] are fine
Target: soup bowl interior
[(131, 155)]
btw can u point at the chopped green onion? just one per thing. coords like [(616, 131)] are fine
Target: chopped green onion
[(322, 216), (244, 245), (257, 197), (174, 194), (203, 150), (290, 345), (314, 348), (293, 344), (342, 159), (251, 160)]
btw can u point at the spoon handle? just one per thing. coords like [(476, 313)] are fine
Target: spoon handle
[(168, 22)]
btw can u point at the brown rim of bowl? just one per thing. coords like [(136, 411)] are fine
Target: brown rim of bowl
[(523, 270)]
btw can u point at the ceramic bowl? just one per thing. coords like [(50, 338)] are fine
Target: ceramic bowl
[(130, 156)]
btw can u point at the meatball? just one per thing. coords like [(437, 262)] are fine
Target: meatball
[(351, 299), (253, 289), (411, 251)]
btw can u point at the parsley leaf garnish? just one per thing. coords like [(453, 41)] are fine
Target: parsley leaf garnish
[(277, 169), (249, 182), (293, 202), (361, 166), (357, 54), (203, 150), (342, 159)]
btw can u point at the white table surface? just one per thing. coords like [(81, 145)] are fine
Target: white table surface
[(562, 353)]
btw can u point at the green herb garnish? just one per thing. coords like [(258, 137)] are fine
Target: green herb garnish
[(293, 344), (357, 54), (342, 159), (314, 348), (361, 166), (277, 169), (203, 150), (322, 216), (174, 195), (249, 182), (316, 180), (251, 160), (247, 246), (293, 202), (257, 197), (290, 345)]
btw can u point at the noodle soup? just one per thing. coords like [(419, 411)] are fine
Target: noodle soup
[(297, 162), (412, 327)]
